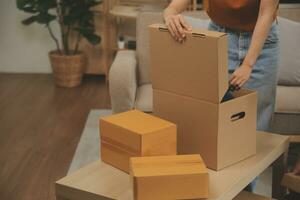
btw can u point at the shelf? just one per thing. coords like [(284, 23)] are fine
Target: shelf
[(122, 11)]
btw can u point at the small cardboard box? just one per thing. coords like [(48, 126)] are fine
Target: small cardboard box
[(169, 177), (134, 133), (292, 182), (222, 134), (196, 68)]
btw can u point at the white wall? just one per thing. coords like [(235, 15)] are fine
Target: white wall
[(22, 48), (25, 48)]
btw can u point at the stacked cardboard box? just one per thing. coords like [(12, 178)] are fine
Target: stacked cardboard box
[(189, 81), (157, 172), (132, 134)]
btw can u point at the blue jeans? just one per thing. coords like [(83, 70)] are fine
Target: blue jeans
[(264, 74)]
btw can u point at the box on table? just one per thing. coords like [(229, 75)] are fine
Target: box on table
[(134, 133), (292, 182), (169, 177), (189, 82)]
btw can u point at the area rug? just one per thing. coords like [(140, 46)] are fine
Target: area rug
[(88, 147), (88, 151)]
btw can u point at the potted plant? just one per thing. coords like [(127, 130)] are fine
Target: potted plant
[(75, 20)]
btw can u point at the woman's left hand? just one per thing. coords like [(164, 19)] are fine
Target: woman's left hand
[(241, 75)]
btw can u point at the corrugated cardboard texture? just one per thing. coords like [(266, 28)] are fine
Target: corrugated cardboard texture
[(135, 133), (207, 129), (169, 177), (237, 137), (196, 68), (292, 182)]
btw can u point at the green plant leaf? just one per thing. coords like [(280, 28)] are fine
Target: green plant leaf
[(45, 5), (85, 30), (92, 38), (92, 3), (22, 3), (29, 20), (45, 18), (31, 10)]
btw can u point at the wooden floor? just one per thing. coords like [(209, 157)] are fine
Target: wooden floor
[(40, 126)]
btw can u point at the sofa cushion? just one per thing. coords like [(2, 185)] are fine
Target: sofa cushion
[(144, 98), (289, 60), (288, 99), (147, 18)]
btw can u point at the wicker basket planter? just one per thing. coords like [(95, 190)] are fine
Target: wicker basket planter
[(67, 69)]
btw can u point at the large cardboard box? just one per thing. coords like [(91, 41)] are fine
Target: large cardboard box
[(189, 82), (196, 68), (169, 177), (134, 133), (222, 134)]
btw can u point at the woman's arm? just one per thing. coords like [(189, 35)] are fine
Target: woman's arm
[(264, 22), (174, 21)]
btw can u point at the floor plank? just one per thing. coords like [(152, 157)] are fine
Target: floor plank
[(40, 126)]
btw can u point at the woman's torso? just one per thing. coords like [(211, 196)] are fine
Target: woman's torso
[(235, 14)]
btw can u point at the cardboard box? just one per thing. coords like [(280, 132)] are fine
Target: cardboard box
[(196, 68), (135, 133), (169, 177), (292, 182), (222, 134), (189, 82)]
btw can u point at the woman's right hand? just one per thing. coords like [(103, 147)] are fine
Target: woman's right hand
[(177, 26)]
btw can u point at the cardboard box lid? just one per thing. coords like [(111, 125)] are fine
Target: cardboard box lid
[(202, 63), (167, 165), (137, 122), (292, 182)]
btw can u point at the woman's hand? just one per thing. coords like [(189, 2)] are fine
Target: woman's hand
[(241, 75), (177, 26)]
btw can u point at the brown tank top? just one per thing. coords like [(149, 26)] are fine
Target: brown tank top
[(240, 15)]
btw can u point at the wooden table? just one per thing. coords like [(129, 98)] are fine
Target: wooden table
[(101, 181)]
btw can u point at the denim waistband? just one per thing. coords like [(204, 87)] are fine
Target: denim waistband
[(229, 30)]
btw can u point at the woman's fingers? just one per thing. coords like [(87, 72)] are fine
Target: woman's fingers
[(184, 24), (237, 82), (179, 29), (233, 80), (170, 26), (176, 28)]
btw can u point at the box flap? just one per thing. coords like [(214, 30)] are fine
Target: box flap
[(195, 68), (167, 165)]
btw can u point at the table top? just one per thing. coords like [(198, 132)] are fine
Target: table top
[(99, 180)]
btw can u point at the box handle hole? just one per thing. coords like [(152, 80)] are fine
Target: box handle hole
[(163, 29), (238, 116), (201, 35)]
